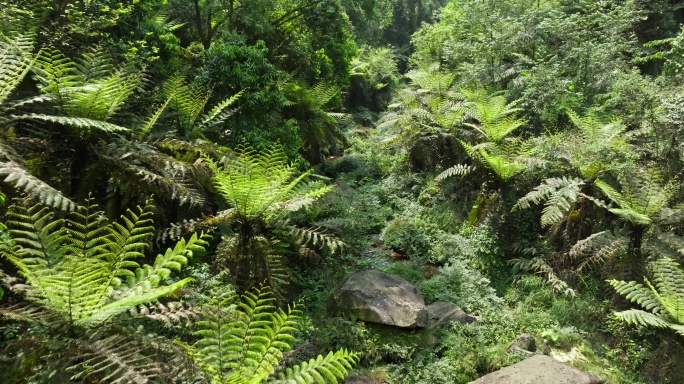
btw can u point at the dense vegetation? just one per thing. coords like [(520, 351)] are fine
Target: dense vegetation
[(185, 183)]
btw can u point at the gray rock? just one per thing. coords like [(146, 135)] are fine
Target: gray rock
[(443, 312), (524, 342), (539, 369), (379, 297)]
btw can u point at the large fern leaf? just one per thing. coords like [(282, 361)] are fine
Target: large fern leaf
[(332, 368), (664, 301)]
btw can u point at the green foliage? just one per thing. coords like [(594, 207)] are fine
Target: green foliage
[(558, 195), (374, 78), (664, 301), (495, 117), (17, 56), (405, 236), (644, 195), (243, 341), (264, 185), (262, 189), (462, 285), (505, 159), (80, 275), (90, 88), (83, 269), (318, 127)]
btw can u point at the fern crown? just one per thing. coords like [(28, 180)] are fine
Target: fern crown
[(85, 269)]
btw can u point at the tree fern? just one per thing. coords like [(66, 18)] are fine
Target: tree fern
[(558, 195), (664, 299), (597, 249), (644, 194), (263, 185), (262, 189), (429, 105), (81, 272), (91, 88), (84, 268), (597, 144), (495, 117), (505, 159), (243, 341), (319, 128), (16, 60)]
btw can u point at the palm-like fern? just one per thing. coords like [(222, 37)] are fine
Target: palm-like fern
[(187, 103), (643, 197), (16, 60), (318, 127), (596, 145), (80, 273), (495, 118), (664, 301), (644, 194), (506, 158), (86, 93), (84, 268), (262, 188), (243, 341), (264, 185), (558, 195), (430, 105)]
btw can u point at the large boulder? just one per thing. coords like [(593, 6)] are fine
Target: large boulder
[(378, 297), (539, 369), (444, 312)]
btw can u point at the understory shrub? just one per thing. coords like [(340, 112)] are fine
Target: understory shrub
[(405, 236)]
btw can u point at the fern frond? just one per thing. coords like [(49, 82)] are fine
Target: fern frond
[(187, 101), (457, 170), (264, 185), (539, 266), (34, 187), (127, 241), (597, 249), (115, 359), (644, 195), (171, 313), (332, 368), (16, 60), (638, 293), (317, 236), (76, 268), (31, 313), (77, 122), (669, 278), (558, 193), (219, 113), (176, 230), (149, 276), (639, 317), (665, 301)]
